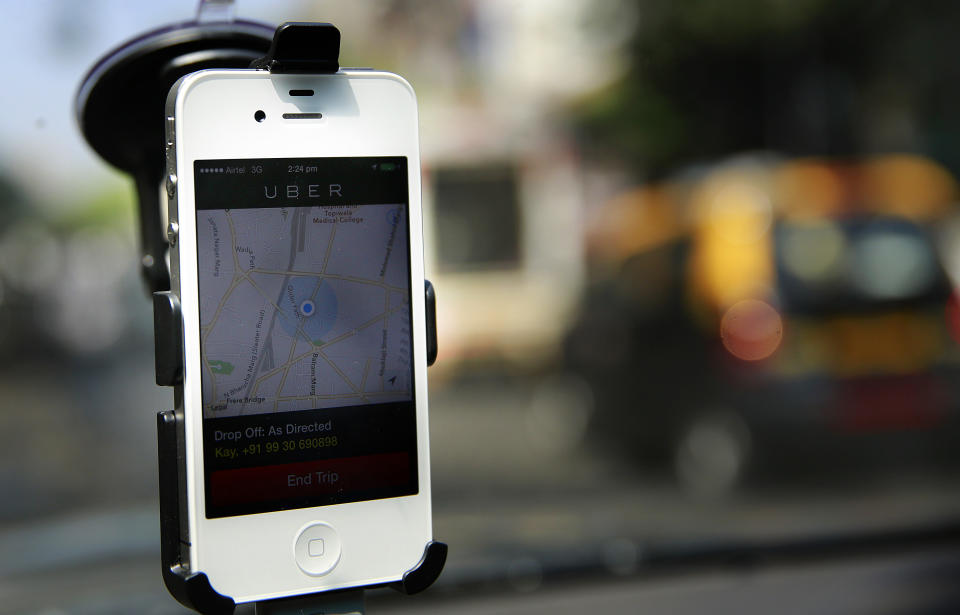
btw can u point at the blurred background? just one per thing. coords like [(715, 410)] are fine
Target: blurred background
[(695, 265)]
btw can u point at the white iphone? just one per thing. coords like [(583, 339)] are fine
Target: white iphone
[(296, 255)]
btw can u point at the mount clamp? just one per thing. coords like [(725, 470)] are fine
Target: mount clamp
[(302, 47)]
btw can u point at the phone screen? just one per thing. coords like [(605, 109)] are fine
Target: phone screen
[(305, 332)]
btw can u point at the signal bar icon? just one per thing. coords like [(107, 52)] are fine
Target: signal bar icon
[(211, 169)]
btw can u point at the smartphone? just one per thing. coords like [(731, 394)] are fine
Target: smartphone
[(296, 255)]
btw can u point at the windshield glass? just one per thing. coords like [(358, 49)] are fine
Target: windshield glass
[(695, 267)]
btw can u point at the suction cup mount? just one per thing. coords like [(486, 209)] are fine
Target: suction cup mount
[(119, 108)]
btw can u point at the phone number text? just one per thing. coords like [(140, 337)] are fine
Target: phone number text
[(268, 448)]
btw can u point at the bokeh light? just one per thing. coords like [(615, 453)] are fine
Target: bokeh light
[(751, 330)]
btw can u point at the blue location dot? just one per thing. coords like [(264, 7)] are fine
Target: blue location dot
[(310, 309)]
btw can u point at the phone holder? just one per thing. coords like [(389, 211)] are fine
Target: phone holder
[(120, 110), (193, 590)]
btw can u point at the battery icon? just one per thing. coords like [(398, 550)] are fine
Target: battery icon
[(388, 166)]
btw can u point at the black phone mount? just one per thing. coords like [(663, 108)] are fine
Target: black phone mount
[(120, 110), (193, 590)]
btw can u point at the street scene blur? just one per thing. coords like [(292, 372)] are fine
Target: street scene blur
[(695, 267)]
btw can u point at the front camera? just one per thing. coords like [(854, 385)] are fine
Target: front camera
[(260, 115)]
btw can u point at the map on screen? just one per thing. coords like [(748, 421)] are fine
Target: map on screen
[(303, 307)]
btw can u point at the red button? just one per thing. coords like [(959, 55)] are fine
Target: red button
[(309, 478)]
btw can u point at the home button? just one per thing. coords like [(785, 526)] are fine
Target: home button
[(317, 549)]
